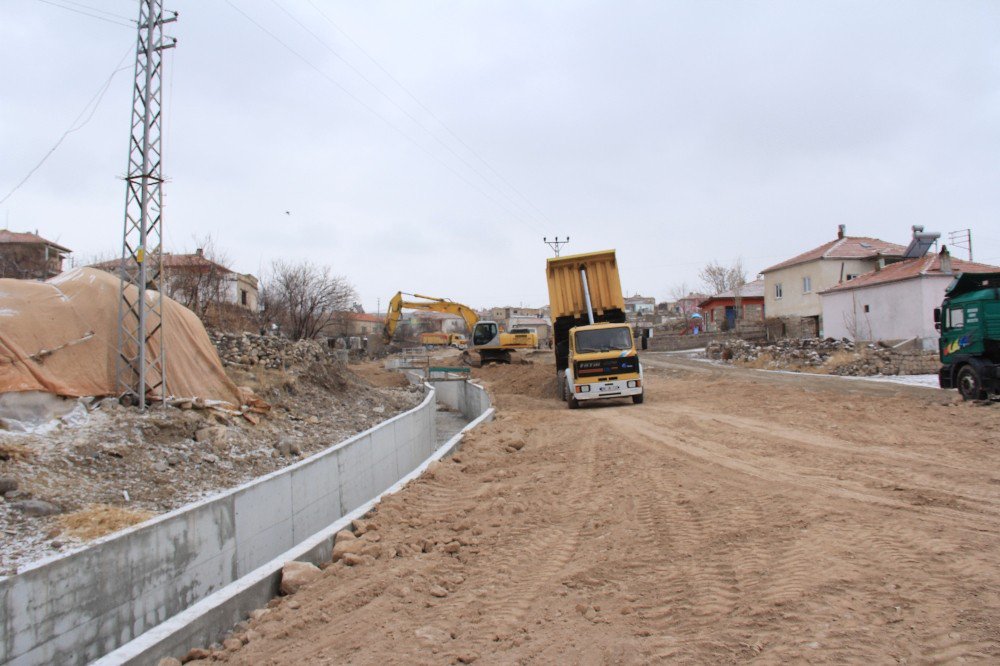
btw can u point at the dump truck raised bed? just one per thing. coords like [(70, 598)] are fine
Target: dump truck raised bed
[(969, 346), (595, 352)]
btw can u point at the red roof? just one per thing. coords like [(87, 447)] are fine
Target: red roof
[(911, 268), (26, 238), (848, 247), (173, 261)]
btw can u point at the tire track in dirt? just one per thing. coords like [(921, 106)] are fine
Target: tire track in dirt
[(662, 533), (717, 454)]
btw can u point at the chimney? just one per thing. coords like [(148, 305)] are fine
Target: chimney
[(945, 260), (200, 252), (841, 230)]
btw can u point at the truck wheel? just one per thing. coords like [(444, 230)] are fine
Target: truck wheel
[(637, 399), (969, 384), (573, 402)]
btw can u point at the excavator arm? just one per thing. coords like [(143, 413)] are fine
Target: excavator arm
[(397, 305)]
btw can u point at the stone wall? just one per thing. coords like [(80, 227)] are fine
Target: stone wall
[(246, 350), (837, 357), (674, 342)]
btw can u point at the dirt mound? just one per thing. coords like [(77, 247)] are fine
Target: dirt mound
[(533, 380)]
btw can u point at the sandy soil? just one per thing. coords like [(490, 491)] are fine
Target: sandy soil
[(733, 516), (115, 466)]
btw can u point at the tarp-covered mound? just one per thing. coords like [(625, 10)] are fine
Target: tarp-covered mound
[(61, 337)]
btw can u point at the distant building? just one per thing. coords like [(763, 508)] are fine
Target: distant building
[(688, 305), (28, 256), (540, 327), (725, 310), (198, 282), (637, 306), (792, 287)]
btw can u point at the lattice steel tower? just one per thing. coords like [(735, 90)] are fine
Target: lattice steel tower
[(141, 363)]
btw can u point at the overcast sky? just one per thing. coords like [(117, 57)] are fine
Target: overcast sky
[(676, 132)]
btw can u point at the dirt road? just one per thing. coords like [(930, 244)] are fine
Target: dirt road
[(733, 516)]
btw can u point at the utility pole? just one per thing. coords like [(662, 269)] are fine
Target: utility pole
[(556, 244), (140, 365), (961, 239)]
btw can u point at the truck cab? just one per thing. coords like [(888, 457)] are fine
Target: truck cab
[(603, 363), (969, 346)]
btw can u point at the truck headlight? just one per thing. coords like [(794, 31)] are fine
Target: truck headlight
[(583, 388), (633, 383)]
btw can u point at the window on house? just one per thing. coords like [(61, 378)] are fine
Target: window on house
[(866, 309), (777, 290), (851, 276), (807, 285), (243, 296)]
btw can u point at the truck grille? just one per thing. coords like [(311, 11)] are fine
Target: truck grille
[(607, 366)]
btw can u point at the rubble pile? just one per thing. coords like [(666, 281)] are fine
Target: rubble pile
[(831, 356), (247, 350)]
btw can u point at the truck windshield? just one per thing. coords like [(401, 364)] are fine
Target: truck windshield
[(604, 339)]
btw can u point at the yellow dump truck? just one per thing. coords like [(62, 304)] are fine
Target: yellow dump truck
[(439, 339), (595, 352)]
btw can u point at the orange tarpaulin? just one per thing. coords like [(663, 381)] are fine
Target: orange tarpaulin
[(61, 337)]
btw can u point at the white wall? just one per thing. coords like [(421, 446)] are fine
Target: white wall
[(896, 311)]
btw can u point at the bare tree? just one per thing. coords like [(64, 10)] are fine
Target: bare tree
[(718, 278), (305, 298)]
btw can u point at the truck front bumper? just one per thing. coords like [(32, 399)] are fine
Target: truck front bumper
[(620, 388)]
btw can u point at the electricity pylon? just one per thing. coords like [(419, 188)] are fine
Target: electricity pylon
[(141, 365)]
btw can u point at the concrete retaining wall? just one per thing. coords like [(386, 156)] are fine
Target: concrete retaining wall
[(80, 606), (464, 397)]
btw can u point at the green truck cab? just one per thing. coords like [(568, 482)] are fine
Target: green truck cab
[(969, 346)]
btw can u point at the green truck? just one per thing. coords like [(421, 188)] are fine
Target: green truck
[(969, 346)]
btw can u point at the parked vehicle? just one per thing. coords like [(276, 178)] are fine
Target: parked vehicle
[(595, 352), (969, 346)]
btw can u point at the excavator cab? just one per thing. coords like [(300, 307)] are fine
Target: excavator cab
[(484, 333)]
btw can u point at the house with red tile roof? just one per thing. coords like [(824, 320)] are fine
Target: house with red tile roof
[(792, 287), (28, 256), (199, 282), (895, 302)]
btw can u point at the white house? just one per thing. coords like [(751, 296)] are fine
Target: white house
[(895, 302)]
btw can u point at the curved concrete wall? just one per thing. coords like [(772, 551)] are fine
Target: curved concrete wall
[(78, 607)]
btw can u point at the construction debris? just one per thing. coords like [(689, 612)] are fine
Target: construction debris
[(830, 356)]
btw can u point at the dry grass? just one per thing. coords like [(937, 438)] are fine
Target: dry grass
[(840, 359), (762, 362), (96, 520), (9, 451)]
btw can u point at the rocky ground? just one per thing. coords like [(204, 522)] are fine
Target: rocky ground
[(837, 357), (734, 516), (108, 466)]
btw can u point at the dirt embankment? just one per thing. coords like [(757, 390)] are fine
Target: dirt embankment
[(730, 517), (114, 466)]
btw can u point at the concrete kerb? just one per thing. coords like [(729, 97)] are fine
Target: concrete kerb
[(207, 620), (77, 606)]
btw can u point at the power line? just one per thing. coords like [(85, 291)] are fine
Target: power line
[(428, 111), (94, 16), (371, 110), (392, 101), (94, 102)]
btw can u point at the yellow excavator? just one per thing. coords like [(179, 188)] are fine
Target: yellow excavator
[(486, 345)]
